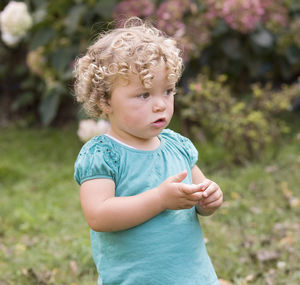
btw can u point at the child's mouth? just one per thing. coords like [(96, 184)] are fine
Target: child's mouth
[(159, 123)]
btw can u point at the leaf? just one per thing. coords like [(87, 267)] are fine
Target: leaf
[(105, 8), (25, 99), (73, 267), (250, 278), (271, 168), (224, 282), (270, 277), (287, 240), (49, 106), (62, 58), (235, 195), (20, 248), (73, 18), (41, 37), (289, 196), (267, 255)]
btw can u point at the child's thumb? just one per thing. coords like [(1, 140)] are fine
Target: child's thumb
[(178, 177)]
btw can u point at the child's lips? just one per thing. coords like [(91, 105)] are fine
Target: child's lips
[(161, 122)]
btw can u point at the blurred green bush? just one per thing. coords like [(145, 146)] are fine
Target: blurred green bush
[(249, 41), (36, 74), (242, 128)]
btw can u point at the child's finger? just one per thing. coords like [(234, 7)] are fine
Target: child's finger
[(178, 177), (205, 184), (213, 204), (214, 197), (211, 198), (190, 189), (213, 187), (197, 196)]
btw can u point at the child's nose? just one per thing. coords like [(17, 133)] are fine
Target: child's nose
[(159, 104)]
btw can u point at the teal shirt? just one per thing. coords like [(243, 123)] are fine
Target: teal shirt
[(168, 249)]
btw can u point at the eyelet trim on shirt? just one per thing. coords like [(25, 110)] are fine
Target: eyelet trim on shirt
[(102, 145), (111, 157)]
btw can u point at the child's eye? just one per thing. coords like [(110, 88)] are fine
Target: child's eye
[(144, 95), (170, 91)]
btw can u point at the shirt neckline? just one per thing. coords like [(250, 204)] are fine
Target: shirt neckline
[(120, 142), (133, 149)]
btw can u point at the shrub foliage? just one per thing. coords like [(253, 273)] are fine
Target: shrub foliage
[(243, 127), (254, 43)]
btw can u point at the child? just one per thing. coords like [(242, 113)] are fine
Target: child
[(140, 187)]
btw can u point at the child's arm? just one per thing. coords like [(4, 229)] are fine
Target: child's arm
[(212, 197), (105, 212)]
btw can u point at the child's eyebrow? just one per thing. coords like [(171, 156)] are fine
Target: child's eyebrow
[(141, 89)]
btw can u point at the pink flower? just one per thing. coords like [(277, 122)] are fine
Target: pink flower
[(276, 13), (170, 17), (245, 15), (240, 15), (129, 8)]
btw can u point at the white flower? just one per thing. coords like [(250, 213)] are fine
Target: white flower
[(102, 126), (15, 21), (10, 40), (90, 128)]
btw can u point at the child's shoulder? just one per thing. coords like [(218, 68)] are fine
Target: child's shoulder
[(172, 135), (99, 144), (181, 143), (91, 144), (96, 159)]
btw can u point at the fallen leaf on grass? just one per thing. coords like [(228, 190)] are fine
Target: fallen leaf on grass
[(267, 255), (235, 195), (288, 195), (271, 168), (73, 267), (281, 265), (270, 278), (252, 186), (224, 282), (255, 210), (35, 277), (40, 278), (20, 248), (287, 240), (294, 202), (250, 278)]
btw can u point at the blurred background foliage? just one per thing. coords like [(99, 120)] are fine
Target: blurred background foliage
[(242, 62)]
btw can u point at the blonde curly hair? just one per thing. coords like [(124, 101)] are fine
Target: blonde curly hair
[(136, 48)]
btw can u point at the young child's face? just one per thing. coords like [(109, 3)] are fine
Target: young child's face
[(137, 113)]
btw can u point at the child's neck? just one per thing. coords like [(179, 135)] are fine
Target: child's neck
[(135, 142)]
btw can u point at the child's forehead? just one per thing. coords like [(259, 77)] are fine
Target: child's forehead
[(135, 81)]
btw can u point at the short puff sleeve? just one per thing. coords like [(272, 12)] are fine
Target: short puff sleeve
[(96, 159)]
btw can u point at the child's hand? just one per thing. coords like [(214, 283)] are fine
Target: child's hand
[(212, 197), (175, 195)]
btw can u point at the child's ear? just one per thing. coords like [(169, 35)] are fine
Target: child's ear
[(107, 109), (104, 107)]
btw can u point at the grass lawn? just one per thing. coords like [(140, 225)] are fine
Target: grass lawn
[(253, 239)]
